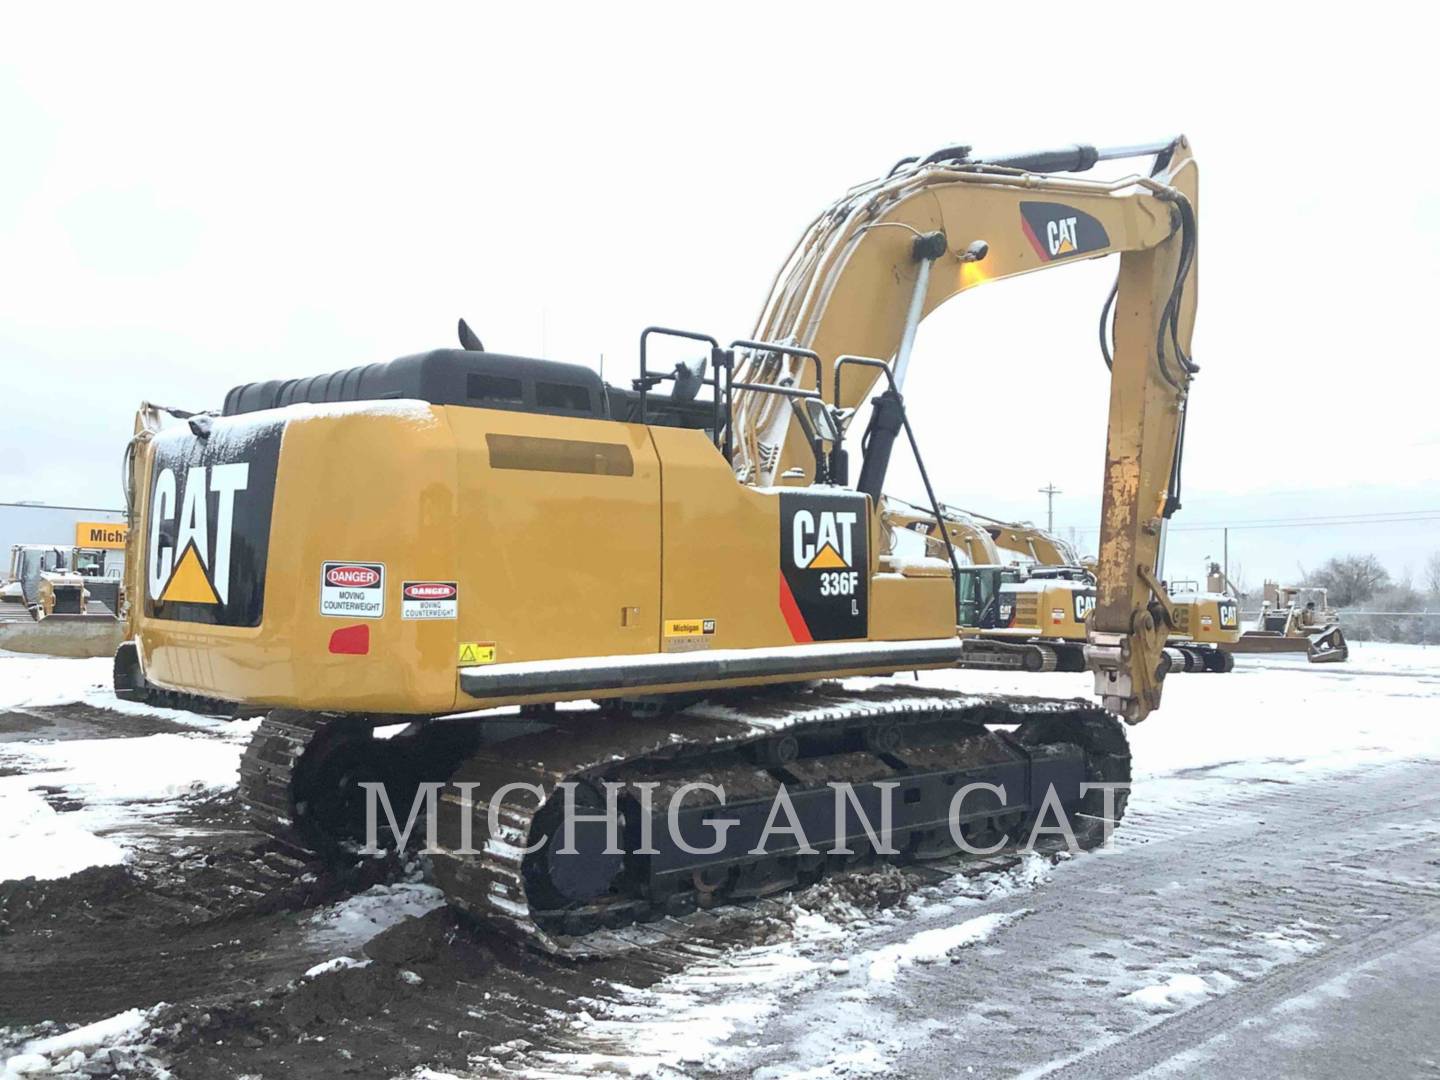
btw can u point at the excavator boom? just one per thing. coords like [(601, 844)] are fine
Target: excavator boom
[(947, 223)]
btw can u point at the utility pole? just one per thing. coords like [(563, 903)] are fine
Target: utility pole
[(1050, 491)]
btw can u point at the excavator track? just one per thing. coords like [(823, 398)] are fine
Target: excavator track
[(1034, 657), (301, 775), (929, 743)]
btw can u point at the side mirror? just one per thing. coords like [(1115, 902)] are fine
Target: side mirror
[(689, 377)]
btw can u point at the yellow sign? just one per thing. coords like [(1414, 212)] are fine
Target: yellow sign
[(688, 627), (477, 652), (101, 534)]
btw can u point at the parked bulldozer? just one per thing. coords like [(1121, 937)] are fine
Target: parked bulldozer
[(1294, 619), (60, 601)]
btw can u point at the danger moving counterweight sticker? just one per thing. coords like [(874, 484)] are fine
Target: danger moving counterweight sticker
[(429, 599), (353, 590)]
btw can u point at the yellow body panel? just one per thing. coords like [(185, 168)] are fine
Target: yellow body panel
[(564, 537), (720, 549), (1051, 611), (1205, 619), (904, 608)]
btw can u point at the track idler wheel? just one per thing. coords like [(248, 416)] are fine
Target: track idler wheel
[(1040, 658), (126, 675), (329, 799), (1219, 661)]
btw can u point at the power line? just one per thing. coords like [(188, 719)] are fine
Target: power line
[(1393, 517), (47, 506)]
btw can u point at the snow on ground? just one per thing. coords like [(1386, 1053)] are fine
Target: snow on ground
[(106, 1043), (707, 1014), (883, 965), (1277, 718), (66, 805), (36, 841), (49, 680), (28, 681), (1271, 713), (356, 919)]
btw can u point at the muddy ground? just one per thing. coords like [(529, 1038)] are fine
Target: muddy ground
[(1259, 915), (224, 928)]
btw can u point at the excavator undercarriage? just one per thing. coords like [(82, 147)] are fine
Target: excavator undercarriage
[(832, 751)]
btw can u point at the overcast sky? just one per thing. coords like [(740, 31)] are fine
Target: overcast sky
[(188, 202)]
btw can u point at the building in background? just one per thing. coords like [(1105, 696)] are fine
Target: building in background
[(36, 523)]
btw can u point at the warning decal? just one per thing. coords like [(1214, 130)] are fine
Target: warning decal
[(477, 652), (353, 590), (429, 599), (824, 565)]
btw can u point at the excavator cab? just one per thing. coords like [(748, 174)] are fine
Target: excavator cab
[(979, 602)]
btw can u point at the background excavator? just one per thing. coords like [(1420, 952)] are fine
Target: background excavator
[(1026, 593), (1023, 597), (350, 549)]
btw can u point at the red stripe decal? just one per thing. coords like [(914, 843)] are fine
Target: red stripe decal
[(791, 610), (1040, 249)]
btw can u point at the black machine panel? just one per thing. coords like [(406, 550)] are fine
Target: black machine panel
[(442, 377), (825, 565)]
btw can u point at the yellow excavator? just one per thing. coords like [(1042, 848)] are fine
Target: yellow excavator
[(1207, 623), (1026, 612), (1025, 593), (464, 530)]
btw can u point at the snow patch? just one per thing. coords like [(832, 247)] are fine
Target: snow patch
[(69, 1050), (932, 946), (37, 842), (1178, 991), (356, 919), (339, 963), (49, 680), (109, 785)]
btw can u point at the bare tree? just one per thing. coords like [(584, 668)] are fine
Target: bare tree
[(1432, 573), (1350, 579)]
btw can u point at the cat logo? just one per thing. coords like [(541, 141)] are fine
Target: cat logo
[(1060, 236), (1057, 231), (824, 566), (207, 526), (1084, 604), (1229, 617), (201, 572), (823, 541)]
